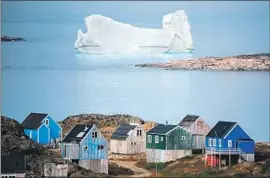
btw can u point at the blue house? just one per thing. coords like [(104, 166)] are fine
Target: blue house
[(229, 141), (42, 128), (86, 145)]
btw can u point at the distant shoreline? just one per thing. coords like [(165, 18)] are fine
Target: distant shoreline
[(255, 62)]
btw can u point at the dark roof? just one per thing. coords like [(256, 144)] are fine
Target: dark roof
[(221, 129), (188, 120), (33, 120), (161, 129), (122, 131), (73, 134), (13, 164)]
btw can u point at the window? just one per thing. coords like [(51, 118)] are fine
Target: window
[(183, 137), (210, 142), (100, 147), (156, 139), (47, 122), (219, 143), (94, 134), (149, 138), (133, 143), (161, 139), (214, 142), (229, 143), (30, 134), (85, 147), (139, 132)]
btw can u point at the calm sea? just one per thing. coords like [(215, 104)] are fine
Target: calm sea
[(46, 74)]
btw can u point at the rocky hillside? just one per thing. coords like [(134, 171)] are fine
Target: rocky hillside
[(106, 123), (256, 62), (13, 140)]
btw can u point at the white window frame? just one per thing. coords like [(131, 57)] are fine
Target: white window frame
[(85, 147), (210, 142), (46, 122), (229, 143), (30, 134), (156, 139), (94, 134), (183, 137), (214, 142), (219, 143), (149, 138), (161, 139)]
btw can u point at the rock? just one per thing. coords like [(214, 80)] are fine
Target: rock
[(8, 39), (256, 62)]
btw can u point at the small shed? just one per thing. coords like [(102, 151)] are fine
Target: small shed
[(228, 139), (128, 139), (166, 143), (198, 128), (42, 128), (13, 166), (86, 145)]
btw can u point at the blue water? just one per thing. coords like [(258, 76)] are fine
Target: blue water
[(46, 74)]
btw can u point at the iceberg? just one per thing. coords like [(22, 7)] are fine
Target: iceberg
[(105, 35)]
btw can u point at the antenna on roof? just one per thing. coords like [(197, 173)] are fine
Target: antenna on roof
[(166, 122)]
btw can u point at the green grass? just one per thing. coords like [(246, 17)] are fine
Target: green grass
[(266, 167)]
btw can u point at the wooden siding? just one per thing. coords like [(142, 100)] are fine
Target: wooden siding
[(127, 146), (94, 151), (152, 143), (199, 127), (198, 141), (70, 150), (174, 140), (153, 155), (99, 165)]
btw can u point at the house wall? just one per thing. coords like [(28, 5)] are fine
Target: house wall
[(55, 170), (198, 141), (55, 129), (93, 143), (139, 140), (174, 139), (153, 155), (11, 175), (199, 127), (43, 135), (118, 146), (70, 150), (34, 134), (150, 143), (99, 166), (246, 146)]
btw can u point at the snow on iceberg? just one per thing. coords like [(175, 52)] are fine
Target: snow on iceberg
[(105, 35)]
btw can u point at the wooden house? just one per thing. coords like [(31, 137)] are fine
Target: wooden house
[(13, 166), (166, 143), (128, 139), (42, 128), (228, 143), (198, 128), (86, 145)]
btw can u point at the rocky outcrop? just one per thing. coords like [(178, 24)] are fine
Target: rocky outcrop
[(8, 39), (256, 62), (125, 157), (106, 123)]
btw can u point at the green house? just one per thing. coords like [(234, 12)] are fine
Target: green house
[(165, 143)]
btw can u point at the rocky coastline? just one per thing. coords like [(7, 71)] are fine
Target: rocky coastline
[(255, 62)]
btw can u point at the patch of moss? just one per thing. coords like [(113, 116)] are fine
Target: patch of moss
[(266, 167)]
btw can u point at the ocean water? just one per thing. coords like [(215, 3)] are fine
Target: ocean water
[(46, 74)]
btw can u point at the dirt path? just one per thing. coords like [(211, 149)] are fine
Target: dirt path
[(138, 172)]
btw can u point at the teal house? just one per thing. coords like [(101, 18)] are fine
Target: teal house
[(42, 128)]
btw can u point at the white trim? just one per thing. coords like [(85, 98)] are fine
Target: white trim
[(214, 142), (219, 143), (54, 122), (48, 132), (230, 141), (38, 135), (172, 130), (156, 138), (230, 130), (30, 134), (210, 141), (149, 138), (94, 126)]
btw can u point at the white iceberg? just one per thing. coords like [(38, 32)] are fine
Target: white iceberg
[(105, 35)]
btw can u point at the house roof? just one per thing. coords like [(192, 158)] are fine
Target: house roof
[(221, 129), (78, 133), (122, 132), (188, 120), (161, 129), (33, 120), (13, 164)]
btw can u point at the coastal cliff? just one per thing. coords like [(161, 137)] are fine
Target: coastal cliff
[(256, 62)]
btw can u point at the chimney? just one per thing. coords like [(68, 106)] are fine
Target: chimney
[(85, 129), (166, 122)]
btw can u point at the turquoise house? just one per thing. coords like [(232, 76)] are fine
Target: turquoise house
[(42, 128)]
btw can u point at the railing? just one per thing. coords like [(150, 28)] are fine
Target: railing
[(213, 150)]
